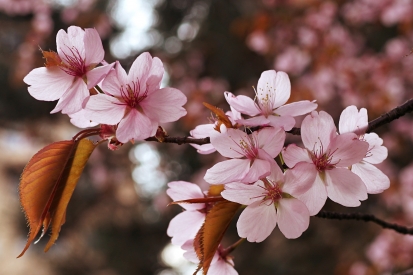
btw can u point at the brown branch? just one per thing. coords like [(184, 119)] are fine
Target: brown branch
[(366, 218), (388, 117), (181, 140)]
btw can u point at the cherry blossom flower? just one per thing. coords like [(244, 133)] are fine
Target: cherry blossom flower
[(221, 264), (352, 120), (135, 101), (326, 158), (270, 201), (186, 224), (71, 72), (272, 93), (251, 155), (207, 130)]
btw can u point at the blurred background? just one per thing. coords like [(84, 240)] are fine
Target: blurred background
[(336, 52)]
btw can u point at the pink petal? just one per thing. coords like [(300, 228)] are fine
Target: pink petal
[(271, 140), (139, 70), (243, 193), (135, 126), (293, 217), (228, 144), (242, 104), (164, 105), (254, 121), (294, 154), (48, 84), (185, 226), (347, 149), (257, 221), (227, 171), (317, 130), (183, 190), (71, 44), (299, 179), (204, 149), (345, 187), (276, 173), (374, 179), (94, 52), (376, 153), (202, 131), (155, 75), (353, 121), (285, 122), (296, 108), (80, 120), (315, 197), (263, 155), (72, 101), (190, 253), (105, 109), (97, 74), (114, 80), (233, 115), (275, 86), (221, 267), (259, 169)]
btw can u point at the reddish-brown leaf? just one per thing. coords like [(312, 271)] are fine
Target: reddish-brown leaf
[(210, 235), (52, 59), (47, 184), (221, 116)]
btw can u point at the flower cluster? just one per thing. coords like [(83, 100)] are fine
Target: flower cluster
[(277, 184), (134, 104), (333, 164)]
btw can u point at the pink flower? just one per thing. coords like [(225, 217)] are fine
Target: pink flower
[(272, 93), (71, 72), (270, 201), (135, 101), (352, 120), (326, 159), (186, 224), (207, 130), (251, 155), (221, 264)]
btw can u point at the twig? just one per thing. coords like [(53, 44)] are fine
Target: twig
[(181, 140), (388, 117), (366, 218)]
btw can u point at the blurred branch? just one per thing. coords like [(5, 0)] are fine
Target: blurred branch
[(366, 218), (406, 272), (388, 117)]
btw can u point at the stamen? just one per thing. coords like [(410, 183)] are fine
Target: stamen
[(272, 192), (73, 64), (265, 103), (322, 160), (131, 94), (249, 148)]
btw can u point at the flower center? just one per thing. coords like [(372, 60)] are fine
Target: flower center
[(131, 94), (73, 64), (272, 191), (322, 160), (249, 147), (266, 101)]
